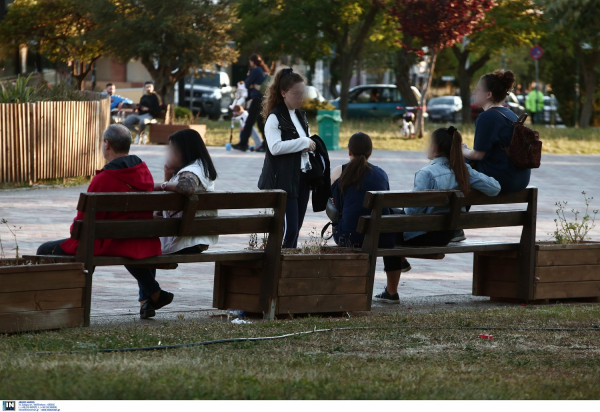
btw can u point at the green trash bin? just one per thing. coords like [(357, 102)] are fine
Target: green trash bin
[(329, 128)]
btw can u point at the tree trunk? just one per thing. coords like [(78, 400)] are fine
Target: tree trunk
[(349, 52), (404, 61), (345, 77), (465, 77), (420, 122), (590, 81)]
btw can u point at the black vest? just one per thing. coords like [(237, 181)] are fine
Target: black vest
[(283, 171)]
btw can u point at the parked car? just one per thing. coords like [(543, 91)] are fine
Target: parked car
[(551, 115), (376, 101), (445, 109), (212, 94)]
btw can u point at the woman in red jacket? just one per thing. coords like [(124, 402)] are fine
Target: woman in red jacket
[(122, 173)]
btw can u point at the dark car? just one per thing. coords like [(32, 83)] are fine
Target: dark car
[(376, 101), (445, 109), (212, 94)]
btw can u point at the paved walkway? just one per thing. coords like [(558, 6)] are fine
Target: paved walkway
[(46, 213)]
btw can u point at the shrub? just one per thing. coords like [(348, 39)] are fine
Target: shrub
[(576, 230), (24, 90), (311, 107), (183, 113)]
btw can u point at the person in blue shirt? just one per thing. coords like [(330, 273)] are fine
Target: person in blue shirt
[(447, 171), (493, 133), (116, 101), (259, 71), (351, 182)]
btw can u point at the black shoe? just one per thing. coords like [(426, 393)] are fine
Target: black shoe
[(459, 236), (405, 266), (240, 147), (261, 148), (148, 309), (386, 297)]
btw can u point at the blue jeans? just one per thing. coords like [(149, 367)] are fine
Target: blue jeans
[(146, 277)]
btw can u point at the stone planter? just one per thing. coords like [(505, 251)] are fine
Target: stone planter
[(38, 294), (561, 272), (308, 284), (159, 133)]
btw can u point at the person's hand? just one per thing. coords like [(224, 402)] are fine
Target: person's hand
[(169, 172), (465, 146), (144, 108), (311, 147)]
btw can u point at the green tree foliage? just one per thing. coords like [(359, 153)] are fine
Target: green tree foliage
[(509, 25), (310, 30), (577, 21), (169, 37), (61, 30)]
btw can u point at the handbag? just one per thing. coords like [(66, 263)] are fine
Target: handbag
[(334, 216)]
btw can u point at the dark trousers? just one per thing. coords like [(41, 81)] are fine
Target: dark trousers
[(294, 214), (254, 116), (441, 238), (146, 277)]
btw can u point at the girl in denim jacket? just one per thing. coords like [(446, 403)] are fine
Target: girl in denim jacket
[(447, 171)]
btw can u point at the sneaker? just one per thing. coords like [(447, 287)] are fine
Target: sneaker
[(405, 266), (459, 236), (386, 297), (239, 147), (261, 148), (148, 309)]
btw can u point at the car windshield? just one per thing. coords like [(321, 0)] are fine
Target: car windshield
[(207, 79), (438, 101)]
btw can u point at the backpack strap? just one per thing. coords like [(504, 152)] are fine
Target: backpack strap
[(520, 120)]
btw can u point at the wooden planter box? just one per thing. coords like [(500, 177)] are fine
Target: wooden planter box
[(561, 272), (35, 295), (159, 133), (308, 284)]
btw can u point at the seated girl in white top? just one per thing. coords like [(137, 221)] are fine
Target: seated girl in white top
[(189, 169)]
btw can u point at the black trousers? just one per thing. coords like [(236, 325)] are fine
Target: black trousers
[(146, 277), (254, 116), (440, 238), (295, 211)]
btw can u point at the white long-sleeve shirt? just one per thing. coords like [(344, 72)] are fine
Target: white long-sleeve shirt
[(280, 147)]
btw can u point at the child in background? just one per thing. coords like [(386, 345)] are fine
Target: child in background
[(240, 96), (241, 115)]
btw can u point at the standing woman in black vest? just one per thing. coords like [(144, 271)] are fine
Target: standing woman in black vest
[(288, 142)]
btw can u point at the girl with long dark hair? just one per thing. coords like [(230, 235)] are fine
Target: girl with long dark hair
[(257, 75), (286, 158), (447, 171), (188, 169)]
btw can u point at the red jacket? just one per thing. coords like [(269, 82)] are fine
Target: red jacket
[(125, 174)]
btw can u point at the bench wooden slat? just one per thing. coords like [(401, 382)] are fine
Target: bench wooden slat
[(435, 198), (462, 247), (200, 226), (151, 201), (435, 222), (174, 258)]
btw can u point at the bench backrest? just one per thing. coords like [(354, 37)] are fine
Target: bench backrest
[(188, 224)]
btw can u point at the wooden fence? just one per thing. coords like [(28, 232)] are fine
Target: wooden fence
[(50, 140)]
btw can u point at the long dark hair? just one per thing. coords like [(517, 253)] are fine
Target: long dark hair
[(361, 147), (449, 144), (190, 145), (259, 62), (283, 81)]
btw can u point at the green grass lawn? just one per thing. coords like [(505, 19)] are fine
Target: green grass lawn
[(402, 356), (386, 135)]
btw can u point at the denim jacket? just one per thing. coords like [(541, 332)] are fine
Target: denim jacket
[(438, 176)]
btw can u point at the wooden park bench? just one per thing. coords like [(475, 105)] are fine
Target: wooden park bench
[(244, 222), (376, 224)]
